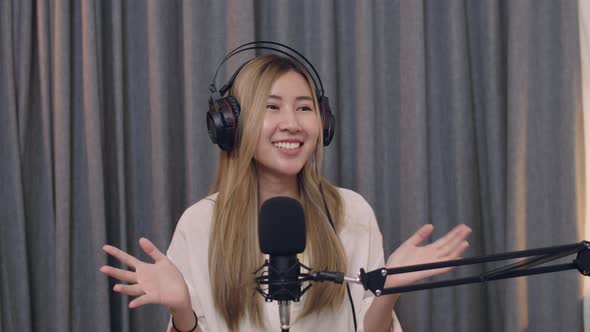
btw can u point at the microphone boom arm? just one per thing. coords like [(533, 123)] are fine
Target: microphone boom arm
[(375, 280)]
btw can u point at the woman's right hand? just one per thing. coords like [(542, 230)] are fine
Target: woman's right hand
[(152, 283)]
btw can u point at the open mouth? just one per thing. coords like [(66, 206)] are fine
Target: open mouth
[(287, 145)]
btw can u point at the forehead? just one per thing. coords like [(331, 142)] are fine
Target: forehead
[(291, 83)]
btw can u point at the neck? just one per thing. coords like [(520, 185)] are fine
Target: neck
[(270, 186)]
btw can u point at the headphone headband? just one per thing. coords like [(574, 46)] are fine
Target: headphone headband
[(319, 86)]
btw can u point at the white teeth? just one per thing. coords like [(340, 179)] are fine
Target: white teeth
[(286, 146)]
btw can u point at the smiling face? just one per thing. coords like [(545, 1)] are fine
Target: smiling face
[(291, 128)]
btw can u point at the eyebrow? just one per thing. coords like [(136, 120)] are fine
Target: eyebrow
[(299, 98)]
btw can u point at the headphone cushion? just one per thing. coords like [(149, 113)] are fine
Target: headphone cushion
[(222, 122), (328, 120)]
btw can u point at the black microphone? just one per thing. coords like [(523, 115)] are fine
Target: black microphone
[(281, 235)]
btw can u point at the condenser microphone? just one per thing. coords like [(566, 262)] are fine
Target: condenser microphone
[(281, 235)]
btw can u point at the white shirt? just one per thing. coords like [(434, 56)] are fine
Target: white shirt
[(360, 238)]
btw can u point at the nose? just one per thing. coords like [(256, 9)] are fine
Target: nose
[(289, 121)]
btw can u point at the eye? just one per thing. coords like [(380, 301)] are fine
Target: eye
[(272, 107), (304, 108)]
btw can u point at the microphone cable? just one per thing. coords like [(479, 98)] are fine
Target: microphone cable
[(347, 286)]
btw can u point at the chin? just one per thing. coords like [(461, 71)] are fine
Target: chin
[(290, 172), (286, 171)]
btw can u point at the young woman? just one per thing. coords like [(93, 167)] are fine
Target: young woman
[(207, 275)]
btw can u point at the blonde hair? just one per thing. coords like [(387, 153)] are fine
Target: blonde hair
[(234, 253)]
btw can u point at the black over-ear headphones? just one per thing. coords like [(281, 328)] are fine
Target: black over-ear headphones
[(224, 112)]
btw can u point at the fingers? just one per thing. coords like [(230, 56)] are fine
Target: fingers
[(144, 299), (420, 235), (456, 242), (133, 290), (459, 249), (122, 256), (122, 275), (149, 248), (452, 238)]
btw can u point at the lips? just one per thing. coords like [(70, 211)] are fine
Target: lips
[(288, 144), (290, 147)]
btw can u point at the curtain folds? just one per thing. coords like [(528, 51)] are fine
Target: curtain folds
[(447, 112), (584, 15)]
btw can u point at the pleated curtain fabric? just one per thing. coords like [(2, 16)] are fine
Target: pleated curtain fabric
[(447, 112), (584, 23)]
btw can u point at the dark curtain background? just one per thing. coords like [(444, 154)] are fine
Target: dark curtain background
[(448, 112)]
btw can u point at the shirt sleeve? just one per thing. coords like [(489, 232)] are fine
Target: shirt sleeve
[(178, 254), (375, 260)]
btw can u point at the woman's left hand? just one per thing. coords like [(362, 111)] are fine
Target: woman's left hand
[(450, 246)]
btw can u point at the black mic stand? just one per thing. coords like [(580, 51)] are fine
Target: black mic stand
[(284, 290), (290, 290), (375, 280)]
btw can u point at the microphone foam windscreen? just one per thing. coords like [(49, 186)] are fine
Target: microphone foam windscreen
[(281, 227)]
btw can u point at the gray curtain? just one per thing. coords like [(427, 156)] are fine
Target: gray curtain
[(448, 112)]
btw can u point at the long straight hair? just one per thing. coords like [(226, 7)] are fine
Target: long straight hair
[(234, 253)]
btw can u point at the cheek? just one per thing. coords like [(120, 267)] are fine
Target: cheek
[(266, 133), (267, 129), (314, 128)]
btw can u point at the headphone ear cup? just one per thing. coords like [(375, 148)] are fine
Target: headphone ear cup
[(328, 120), (222, 122)]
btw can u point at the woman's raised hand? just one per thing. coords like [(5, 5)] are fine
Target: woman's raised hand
[(152, 283), (450, 246)]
